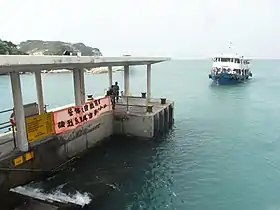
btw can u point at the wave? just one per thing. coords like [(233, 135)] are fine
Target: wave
[(56, 196)]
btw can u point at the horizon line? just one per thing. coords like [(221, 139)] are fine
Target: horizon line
[(206, 58)]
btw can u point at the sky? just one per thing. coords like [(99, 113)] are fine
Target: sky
[(178, 28)]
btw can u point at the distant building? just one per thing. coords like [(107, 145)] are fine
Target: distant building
[(35, 51), (72, 53), (38, 53)]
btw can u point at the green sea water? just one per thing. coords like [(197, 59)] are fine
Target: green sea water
[(223, 152)]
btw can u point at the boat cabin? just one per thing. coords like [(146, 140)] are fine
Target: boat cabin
[(231, 59), (231, 63)]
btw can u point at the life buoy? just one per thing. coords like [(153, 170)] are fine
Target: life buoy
[(12, 119)]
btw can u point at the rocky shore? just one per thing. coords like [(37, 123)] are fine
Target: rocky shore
[(100, 70)]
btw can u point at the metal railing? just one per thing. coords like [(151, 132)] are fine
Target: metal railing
[(139, 105), (6, 126), (131, 103), (45, 107)]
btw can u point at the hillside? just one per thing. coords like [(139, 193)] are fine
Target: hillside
[(56, 48), (39, 47)]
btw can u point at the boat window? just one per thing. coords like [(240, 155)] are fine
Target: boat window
[(237, 60), (225, 59)]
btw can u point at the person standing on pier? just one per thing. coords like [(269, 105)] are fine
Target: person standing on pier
[(116, 90), (111, 94)]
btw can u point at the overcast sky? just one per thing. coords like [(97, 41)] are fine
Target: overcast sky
[(178, 28)]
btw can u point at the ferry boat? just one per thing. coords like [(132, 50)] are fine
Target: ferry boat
[(230, 69)]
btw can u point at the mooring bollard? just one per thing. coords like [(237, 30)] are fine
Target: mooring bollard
[(149, 108), (143, 95), (89, 97), (163, 100)]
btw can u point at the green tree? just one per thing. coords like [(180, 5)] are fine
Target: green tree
[(7, 47)]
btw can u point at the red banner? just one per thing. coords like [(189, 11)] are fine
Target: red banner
[(72, 117)]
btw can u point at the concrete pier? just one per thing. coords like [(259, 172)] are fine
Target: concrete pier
[(39, 88), (110, 72), (47, 140), (148, 83), (126, 80), (132, 119)]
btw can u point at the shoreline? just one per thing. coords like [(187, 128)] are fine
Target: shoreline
[(99, 70)]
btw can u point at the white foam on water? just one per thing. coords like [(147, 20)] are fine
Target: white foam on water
[(56, 196)]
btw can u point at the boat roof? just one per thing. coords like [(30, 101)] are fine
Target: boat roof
[(33, 63), (231, 56)]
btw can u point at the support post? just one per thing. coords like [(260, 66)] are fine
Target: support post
[(39, 89), (148, 97), (110, 74), (126, 80), (83, 90), (79, 86), (21, 137)]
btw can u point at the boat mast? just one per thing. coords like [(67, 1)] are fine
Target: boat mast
[(230, 50)]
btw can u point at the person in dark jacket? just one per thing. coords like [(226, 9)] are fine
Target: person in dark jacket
[(111, 94), (116, 90)]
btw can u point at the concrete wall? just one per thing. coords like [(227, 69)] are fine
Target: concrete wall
[(86, 136), (136, 122), (133, 125), (51, 152), (6, 144)]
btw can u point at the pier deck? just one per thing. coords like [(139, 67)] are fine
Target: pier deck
[(138, 106)]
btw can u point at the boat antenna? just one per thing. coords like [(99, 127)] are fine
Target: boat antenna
[(230, 45)]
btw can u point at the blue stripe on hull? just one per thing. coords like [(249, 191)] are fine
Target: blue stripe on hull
[(225, 79)]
